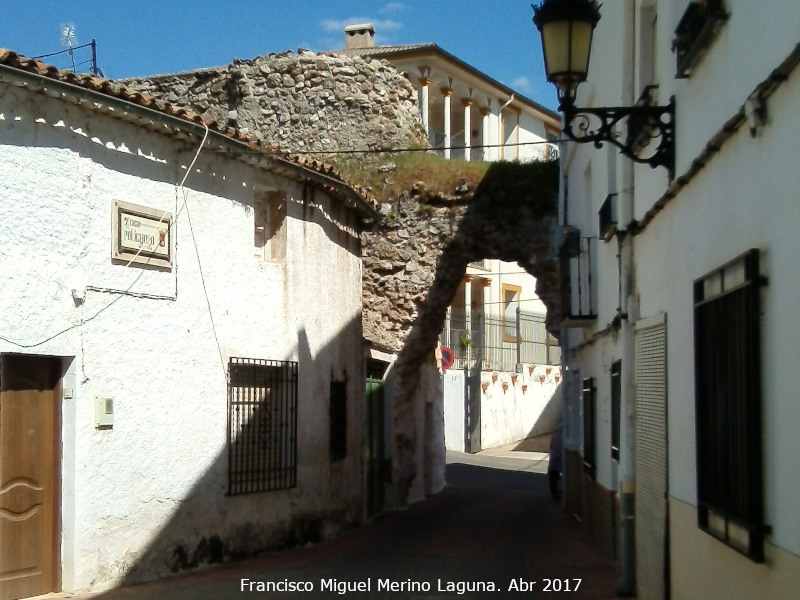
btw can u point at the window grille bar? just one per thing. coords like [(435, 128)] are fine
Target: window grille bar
[(728, 404), (262, 427)]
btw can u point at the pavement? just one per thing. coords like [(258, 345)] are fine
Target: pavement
[(493, 532)]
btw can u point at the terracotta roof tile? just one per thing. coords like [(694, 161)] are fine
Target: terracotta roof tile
[(117, 90)]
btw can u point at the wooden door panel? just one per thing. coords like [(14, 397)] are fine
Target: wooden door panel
[(29, 486)]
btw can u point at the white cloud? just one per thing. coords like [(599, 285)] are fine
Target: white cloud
[(379, 24), (521, 83), (392, 7)]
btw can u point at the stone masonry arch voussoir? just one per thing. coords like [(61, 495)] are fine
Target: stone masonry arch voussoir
[(509, 218)]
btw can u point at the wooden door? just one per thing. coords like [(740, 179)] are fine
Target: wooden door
[(30, 399)]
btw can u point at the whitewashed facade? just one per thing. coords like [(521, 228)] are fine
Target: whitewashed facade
[(669, 399), (151, 493), (466, 113), (495, 327)]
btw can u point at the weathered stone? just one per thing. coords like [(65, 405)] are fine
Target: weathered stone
[(348, 88), (414, 237)]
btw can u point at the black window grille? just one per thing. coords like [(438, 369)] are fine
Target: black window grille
[(338, 420), (616, 407), (698, 26), (577, 266), (728, 405), (262, 425), (589, 424)]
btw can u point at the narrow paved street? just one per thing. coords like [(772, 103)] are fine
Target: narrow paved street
[(495, 526)]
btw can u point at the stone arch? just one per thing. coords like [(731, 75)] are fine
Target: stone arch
[(509, 218)]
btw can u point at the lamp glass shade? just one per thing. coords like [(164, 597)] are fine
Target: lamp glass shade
[(567, 45)]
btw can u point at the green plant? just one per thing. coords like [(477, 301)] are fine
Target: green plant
[(464, 340), (438, 173)]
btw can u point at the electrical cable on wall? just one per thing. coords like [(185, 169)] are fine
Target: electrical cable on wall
[(121, 292)]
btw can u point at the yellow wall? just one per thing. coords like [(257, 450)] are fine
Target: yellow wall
[(702, 567)]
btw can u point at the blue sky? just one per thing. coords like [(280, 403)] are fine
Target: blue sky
[(146, 37)]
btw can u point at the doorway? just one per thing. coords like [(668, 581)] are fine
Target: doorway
[(30, 475)]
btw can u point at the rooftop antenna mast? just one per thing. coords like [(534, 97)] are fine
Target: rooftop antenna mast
[(68, 40)]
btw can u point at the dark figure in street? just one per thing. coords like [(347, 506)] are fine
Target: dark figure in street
[(554, 467)]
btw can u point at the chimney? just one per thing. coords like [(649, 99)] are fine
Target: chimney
[(359, 36)]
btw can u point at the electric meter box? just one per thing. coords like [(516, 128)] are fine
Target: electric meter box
[(104, 412)]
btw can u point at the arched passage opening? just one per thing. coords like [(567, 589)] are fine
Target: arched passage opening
[(509, 218)]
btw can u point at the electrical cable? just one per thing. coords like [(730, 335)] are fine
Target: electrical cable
[(70, 49), (386, 150), (121, 293), (205, 290), (71, 327)]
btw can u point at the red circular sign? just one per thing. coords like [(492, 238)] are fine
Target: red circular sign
[(447, 358)]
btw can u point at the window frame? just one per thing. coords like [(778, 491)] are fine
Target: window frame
[(589, 409), (728, 401), (270, 215), (262, 394), (616, 408), (507, 325)]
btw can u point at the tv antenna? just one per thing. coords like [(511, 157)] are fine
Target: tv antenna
[(68, 40)]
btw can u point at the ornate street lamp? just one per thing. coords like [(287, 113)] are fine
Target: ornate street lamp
[(566, 27)]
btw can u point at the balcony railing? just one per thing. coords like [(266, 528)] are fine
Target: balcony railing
[(483, 343), (697, 28), (576, 269)]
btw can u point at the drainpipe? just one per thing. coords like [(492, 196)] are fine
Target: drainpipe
[(627, 477)]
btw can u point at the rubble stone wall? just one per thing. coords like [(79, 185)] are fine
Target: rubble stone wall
[(400, 263), (304, 102), (328, 102)]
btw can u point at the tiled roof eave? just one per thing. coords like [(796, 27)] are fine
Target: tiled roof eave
[(118, 101)]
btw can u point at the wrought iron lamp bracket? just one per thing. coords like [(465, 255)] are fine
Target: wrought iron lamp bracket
[(645, 125)]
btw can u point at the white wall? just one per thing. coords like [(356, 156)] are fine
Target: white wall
[(498, 273), (517, 406), (484, 95), (158, 479), (746, 197), (513, 406)]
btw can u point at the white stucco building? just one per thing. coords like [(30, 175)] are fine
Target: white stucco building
[(495, 328), (680, 351), (180, 339), (466, 113)]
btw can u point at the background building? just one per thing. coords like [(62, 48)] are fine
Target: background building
[(465, 112)]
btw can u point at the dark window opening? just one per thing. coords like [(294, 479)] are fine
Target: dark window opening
[(616, 407), (338, 420), (728, 405), (262, 425)]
